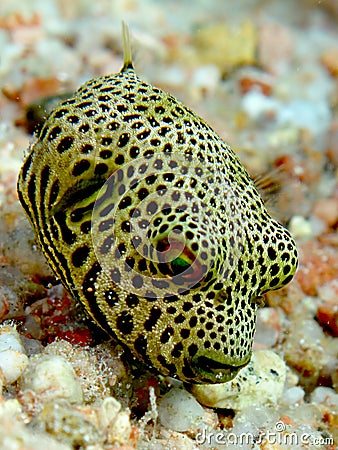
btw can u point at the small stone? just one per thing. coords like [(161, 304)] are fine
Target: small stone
[(319, 266), (13, 359), (11, 409), (177, 441), (4, 306), (108, 411), (327, 316), (205, 79), (326, 209), (300, 228), (259, 106), (332, 145), (258, 81), (328, 292), (293, 395), (226, 46), (292, 379), (254, 417), (52, 377), (95, 384), (324, 395), (306, 414), (268, 327), (309, 351), (69, 425), (15, 435), (119, 430), (312, 115), (329, 60), (31, 346), (261, 382), (179, 410), (275, 46)]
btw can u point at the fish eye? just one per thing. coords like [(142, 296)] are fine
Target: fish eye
[(179, 265), (187, 266), (179, 260)]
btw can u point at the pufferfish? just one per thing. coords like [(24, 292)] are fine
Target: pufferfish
[(152, 223)]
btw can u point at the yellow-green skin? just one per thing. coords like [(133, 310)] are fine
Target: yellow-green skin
[(170, 254)]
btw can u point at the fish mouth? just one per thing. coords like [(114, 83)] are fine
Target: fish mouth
[(214, 371)]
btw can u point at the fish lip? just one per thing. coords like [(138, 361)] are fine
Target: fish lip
[(214, 371)]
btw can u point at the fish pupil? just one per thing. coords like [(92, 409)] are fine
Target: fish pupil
[(179, 265)]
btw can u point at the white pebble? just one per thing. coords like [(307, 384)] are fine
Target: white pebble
[(10, 339), (318, 226), (261, 382), (14, 435), (268, 326), (328, 292), (206, 77), (293, 395), (324, 395), (10, 409), (253, 417), (305, 414), (120, 429), (300, 227), (13, 359), (52, 377), (109, 409), (257, 105), (179, 410), (171, 76), (314, 116)]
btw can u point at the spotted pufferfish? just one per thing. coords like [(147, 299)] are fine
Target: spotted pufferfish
[(151, 222)]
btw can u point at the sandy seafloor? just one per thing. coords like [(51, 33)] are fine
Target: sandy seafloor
[(264, 75)]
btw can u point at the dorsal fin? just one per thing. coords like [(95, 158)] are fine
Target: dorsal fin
[(127, 56)]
